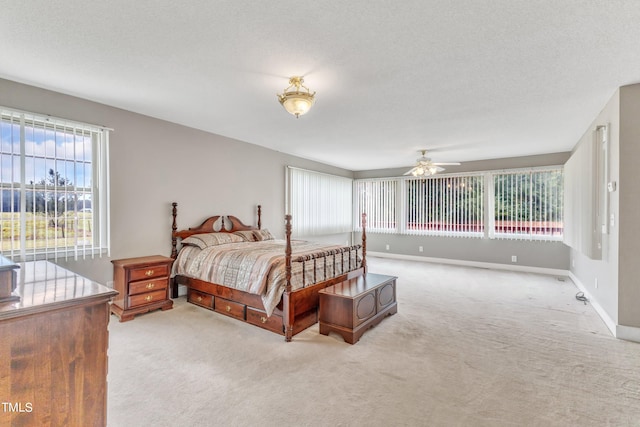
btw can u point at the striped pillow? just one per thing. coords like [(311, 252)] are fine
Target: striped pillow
[(211, 239), (263, 234)]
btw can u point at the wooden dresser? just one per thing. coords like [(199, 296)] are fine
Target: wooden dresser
[(53, 349), (351, 307), (142, 284)]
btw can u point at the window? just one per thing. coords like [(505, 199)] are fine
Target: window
[(445, 206), (53, 187), (528, 204), (376, 198), (319, 203), (515, 204)]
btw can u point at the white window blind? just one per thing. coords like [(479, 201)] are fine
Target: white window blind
[(528, 204), (376, 198), (54, 187), (319, 203), (445, 206)]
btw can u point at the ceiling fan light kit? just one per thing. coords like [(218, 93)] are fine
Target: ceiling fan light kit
[(296, 101), (425, 167)]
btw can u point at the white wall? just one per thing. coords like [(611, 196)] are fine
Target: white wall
[(604, 271), (154, 163)]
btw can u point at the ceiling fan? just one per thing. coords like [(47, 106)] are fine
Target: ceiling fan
[(425, 167)]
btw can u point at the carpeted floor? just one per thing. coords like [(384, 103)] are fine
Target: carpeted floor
[(468, 347)]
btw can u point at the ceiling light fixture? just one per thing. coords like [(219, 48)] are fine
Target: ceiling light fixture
[(294, 100)]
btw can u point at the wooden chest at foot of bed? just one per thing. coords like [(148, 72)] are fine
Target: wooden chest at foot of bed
[(351, 307)]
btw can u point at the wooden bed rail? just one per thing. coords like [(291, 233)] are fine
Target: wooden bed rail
[(287, 312), (351, 262)]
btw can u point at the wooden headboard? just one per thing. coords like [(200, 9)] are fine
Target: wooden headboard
[(228, 224)]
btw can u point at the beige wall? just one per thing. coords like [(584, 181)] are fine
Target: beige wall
[(629, 218), (154, 163), (617, 294)]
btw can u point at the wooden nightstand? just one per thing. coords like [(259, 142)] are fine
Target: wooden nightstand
[(142, 284)]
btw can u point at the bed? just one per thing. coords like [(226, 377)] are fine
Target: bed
[(243, 272)]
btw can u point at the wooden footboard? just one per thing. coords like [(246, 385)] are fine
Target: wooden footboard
[(298, 308)]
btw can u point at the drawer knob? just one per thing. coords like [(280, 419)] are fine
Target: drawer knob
[(263, 319), (151, 285), (199, 298), (228, 308), (149, 297), (148, 273)]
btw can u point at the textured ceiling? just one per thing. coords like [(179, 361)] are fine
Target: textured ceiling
[(469, 79)]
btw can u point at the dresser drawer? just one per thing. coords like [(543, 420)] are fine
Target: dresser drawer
[(148, 285), (149, 272), (148, 298), (200, 298), (259, 318), (229, 308)]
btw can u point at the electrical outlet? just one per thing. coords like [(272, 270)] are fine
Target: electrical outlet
[(514, 258), (387, 247), (420, 249), (596, 283)]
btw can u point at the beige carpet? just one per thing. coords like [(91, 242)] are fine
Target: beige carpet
[(468, 347)]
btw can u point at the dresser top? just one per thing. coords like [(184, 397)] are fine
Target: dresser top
[(7, 264), (44, 286)]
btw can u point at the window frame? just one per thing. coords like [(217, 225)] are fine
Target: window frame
[(487, 211), (57, 164)]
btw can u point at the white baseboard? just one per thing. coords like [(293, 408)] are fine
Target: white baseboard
[(489, 265), (608, 321), (628, 333)]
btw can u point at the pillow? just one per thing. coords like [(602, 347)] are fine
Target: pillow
[(263, 234), (211, 239), (247, 235)]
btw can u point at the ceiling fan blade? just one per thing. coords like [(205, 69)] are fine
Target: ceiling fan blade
[(410, 171)]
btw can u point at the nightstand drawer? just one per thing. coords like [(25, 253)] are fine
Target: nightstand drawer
[(149, 272), (148, 298), (229, 308), (147, 286)]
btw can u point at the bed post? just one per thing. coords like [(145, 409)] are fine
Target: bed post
[(174, 228), (364, 242), (174, 251), (288, 314), (259, 217)]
